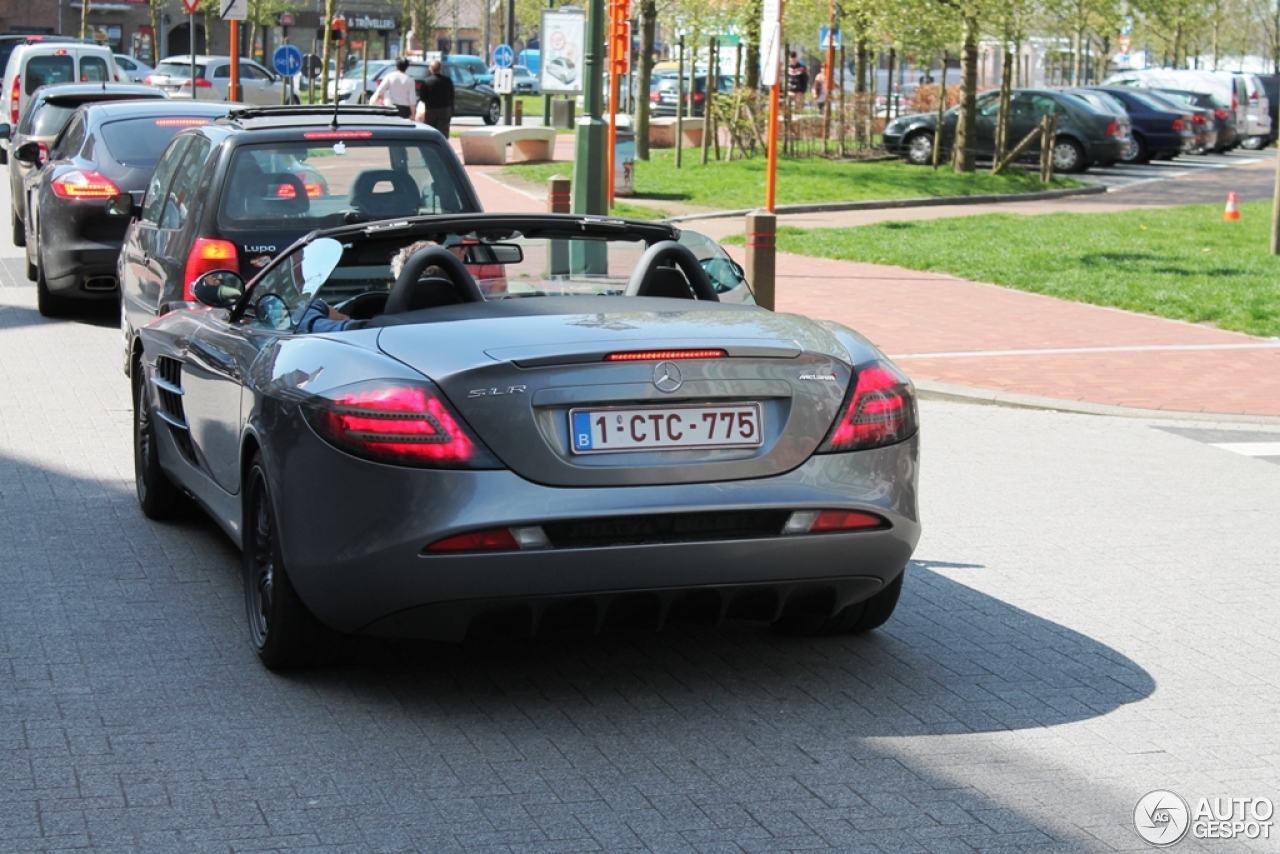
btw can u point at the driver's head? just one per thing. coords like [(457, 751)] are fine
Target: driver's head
[(402, 257)]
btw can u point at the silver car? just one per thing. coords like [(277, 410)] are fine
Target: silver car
[(616, 436), (212, 81)]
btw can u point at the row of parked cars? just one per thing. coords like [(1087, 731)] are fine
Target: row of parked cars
[(1133, 117)]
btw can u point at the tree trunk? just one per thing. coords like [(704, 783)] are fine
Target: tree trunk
[(155, 32), (859, 91), (648, 34), (942, 109), (964, 159), (327, 50), (1002, 121), (751, 79)]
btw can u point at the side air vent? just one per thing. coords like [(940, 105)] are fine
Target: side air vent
[(168, 382)]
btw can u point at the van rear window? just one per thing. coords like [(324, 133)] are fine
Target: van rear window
[(49, 71)]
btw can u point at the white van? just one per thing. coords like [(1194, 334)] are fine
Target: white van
[(47, 64), (1242, 93)]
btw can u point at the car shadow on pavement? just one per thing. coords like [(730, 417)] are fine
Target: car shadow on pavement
[(951, 660), (15, 316)]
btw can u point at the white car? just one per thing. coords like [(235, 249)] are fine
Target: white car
[(213, 80), (48, 64), (132, 68)]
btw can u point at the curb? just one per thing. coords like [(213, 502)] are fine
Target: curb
[(1044, 195), (952, 393)]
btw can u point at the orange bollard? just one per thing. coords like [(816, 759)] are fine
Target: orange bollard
[(1233, 208)]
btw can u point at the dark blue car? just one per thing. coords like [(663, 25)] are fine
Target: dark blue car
[(1157, 131)]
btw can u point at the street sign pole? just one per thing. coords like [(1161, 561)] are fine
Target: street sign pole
[(771, 66), (191, 31)]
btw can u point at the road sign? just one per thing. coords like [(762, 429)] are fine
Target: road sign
[(287, 60), (233, 10), (191, 6), (503, 81), (824, 38), (504, 56), (311, 65), (1125, 43)]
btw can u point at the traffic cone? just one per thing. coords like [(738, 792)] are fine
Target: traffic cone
[(1233, 208)]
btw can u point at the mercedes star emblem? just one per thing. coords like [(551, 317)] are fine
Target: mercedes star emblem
[(666, 376)]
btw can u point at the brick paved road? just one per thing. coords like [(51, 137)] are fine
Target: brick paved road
[(1092, 616)]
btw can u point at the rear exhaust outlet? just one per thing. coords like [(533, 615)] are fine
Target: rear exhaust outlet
[(100, 283)]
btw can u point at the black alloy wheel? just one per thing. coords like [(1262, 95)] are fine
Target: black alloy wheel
[(283, 632), (49, 303), (494, 113), (158, 498), (852, 619)]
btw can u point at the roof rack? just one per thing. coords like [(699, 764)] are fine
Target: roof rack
[(317, 110)]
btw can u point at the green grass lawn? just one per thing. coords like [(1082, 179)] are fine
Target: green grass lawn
[(1184, 263), (739, 184)]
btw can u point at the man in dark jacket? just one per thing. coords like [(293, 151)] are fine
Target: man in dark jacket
[(436, 94)]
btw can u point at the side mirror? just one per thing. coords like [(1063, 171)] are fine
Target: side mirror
[(122, 205), (28, 154), (218, 289)]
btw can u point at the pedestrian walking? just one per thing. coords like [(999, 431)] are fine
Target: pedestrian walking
[(436, 95), (397, 90), (820, 88), (797, 81)]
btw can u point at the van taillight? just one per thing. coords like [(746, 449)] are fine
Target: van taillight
[(206, 256), (15, 99)]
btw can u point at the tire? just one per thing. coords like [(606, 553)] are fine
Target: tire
[(919, 147), (283, 632), (33, 269), (1254, 143), (1068, 156), (158, 498), (851, 620), (19, 231), (1136, 152), (49, 304), (295, 101), (494, 112)]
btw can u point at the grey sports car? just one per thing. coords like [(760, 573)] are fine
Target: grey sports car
[(617, 435)]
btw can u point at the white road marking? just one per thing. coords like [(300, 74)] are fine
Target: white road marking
[(1058, 351), (1250, 449)]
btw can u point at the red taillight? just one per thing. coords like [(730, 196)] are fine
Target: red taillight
[(147, 80), (79, 184), (206, 256), (15, 99), (286, 191), (659, 355), (338, 134), (397, 422), (494, 540), (1177, 124), (1113, 128), (655, 96), (845, 520), (1197, 119), (699, 97), (881, 411), (200, 84), (181, 123), (1221, 114)]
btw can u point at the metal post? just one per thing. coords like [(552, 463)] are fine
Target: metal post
[(191, 31), (590, 194), (680, 103), (507, 99), (234, 92), (559, 200), (762, 228)]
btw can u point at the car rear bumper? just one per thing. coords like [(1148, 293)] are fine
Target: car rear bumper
[(363, 566), (82, 269)]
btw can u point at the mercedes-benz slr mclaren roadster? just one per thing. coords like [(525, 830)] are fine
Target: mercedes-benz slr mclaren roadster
[(618, 435)]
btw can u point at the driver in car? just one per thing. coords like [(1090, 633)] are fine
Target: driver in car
[(320, 317)]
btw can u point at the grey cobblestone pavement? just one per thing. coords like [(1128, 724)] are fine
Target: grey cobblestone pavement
[(1092, 615)]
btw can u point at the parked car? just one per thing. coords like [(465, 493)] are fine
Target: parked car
[(50, 109), (523, 81), (106, 149), (1240, 93), (1086, 136), (131, 68), (1156, 130), (455, 465), (664, 92), (470, 97), (1224, 119), (1204, 123), (348, 85), (10, 41), (48, 63), (1271, 87), (233, 194), (213, 80)]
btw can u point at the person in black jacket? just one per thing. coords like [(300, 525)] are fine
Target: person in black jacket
[(436, 94)]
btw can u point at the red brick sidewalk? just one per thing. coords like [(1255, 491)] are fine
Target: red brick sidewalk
[(946, 330)]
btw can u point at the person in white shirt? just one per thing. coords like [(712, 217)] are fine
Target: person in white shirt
[(396, 90)]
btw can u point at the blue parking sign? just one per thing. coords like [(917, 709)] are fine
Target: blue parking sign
[(503, 56), (287, 60)]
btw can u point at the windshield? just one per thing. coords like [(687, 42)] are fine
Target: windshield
[(178, 69), (139, 142), (321, 184)]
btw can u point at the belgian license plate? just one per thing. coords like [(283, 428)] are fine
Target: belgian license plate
[(599, 431)]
